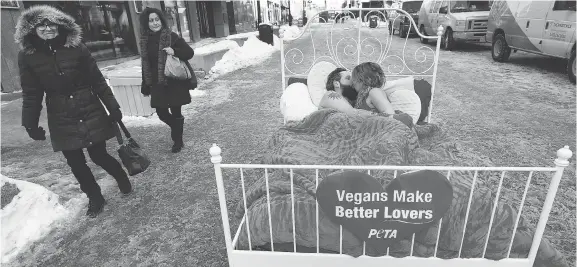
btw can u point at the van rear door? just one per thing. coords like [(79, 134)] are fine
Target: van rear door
[(531, 17), (559, 28)]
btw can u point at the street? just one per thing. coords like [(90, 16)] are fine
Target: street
[(503, 114)]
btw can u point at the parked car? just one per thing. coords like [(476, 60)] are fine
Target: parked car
[(462, 21), (401, 22), (545, 27)]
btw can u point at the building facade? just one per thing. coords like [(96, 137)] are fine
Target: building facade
[(111, 29)]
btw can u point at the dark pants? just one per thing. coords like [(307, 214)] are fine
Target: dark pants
[(164, 115), (83, 174)]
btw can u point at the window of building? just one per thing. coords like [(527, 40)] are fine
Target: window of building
[(177, 17), (107, 28), (205, 18), (244, 16)]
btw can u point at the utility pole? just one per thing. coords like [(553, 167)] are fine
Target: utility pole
[(259, 18), (290, 16)]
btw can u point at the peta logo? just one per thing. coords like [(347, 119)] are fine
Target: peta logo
[(562, 25)]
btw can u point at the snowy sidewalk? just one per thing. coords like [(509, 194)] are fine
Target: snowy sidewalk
[(171, 219), (34, 161)]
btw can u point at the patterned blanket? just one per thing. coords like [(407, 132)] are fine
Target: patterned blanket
[(329, 137)]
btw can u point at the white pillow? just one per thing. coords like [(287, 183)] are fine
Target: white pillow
[(317, 80), (295, 102), (407, 102), (407, 83)]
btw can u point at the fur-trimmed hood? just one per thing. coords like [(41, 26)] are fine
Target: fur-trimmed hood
[(36, 14)]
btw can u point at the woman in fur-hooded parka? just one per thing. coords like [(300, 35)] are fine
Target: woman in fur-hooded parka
[(64, 70), (53, 62)]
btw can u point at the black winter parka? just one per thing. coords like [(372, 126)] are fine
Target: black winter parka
[(64, 70)]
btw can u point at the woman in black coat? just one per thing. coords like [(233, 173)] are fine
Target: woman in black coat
[(157, 42), (54, 62)]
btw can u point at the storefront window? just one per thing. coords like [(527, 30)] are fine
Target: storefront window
[(244, 17), (106, 27), (177, 18)]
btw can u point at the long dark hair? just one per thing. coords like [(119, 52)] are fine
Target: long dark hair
[(144, 19)]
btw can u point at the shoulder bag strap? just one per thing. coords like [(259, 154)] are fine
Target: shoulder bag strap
[(124, 130), (118, 135)]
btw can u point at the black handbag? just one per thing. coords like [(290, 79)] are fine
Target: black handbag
[(193, 81), (131, 154)]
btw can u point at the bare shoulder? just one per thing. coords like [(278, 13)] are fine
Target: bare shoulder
[(329, 97), (332, 99), (333, 95), (376, 92)]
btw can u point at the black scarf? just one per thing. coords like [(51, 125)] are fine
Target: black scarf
[(163, 42)]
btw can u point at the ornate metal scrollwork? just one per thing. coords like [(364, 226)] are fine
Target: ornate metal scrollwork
[(348, 41)]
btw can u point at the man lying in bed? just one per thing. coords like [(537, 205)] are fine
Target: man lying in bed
[(342, 96)]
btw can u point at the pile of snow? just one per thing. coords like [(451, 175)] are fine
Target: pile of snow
[(254, 51), (197, 93), (291, 32), (222, 45), (130, 121), (242, 35), (31, 214)]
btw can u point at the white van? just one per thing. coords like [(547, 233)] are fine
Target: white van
[(545, 27), (463, 21)]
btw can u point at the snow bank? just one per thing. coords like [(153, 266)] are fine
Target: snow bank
[(152, 120), (252, 52), (30, 215), (222, 45), (242, 35)]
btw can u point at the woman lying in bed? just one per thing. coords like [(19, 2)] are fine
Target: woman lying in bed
[(359, 93)]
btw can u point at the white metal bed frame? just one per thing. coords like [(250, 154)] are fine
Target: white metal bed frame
[(250, 258), (419, 54)]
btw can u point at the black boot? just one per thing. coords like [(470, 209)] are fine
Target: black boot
[(95, 205), (123, 182), (88, 185), (176, 134)]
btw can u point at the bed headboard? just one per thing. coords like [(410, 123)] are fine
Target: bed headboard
[(347, 42)]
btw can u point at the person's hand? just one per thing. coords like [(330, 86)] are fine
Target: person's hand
[(169, 50), (116, 115), (36, 133)]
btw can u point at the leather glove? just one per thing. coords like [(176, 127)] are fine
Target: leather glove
[(37, 133), (115, 115)]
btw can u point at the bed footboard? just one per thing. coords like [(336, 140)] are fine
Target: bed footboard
[(250, 257)]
